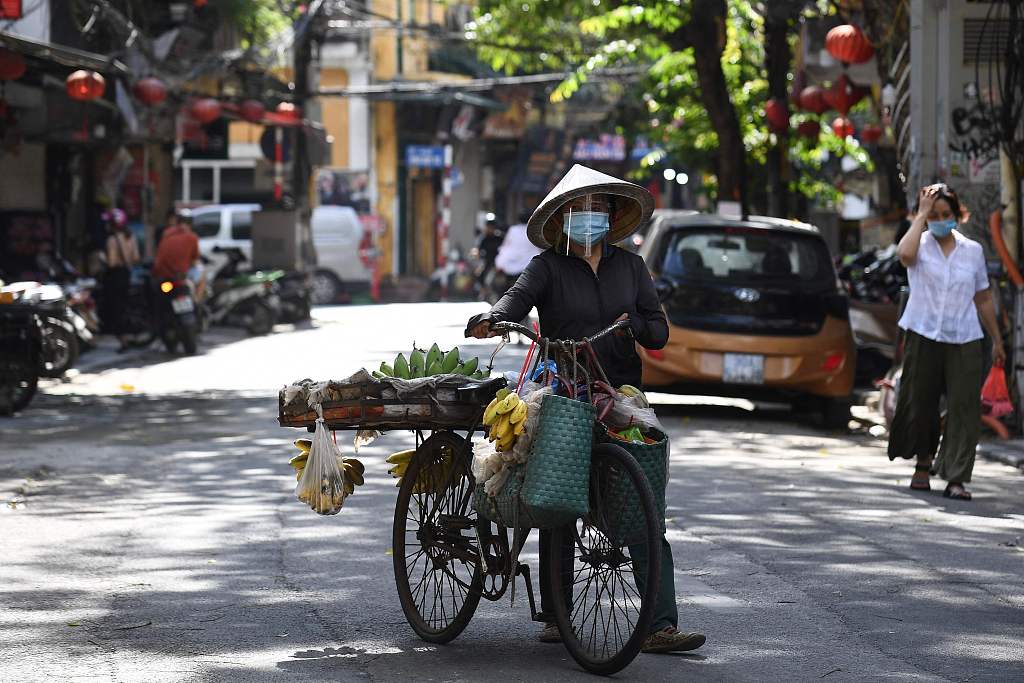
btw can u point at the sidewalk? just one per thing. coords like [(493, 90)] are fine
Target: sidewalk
[(1009, 452)]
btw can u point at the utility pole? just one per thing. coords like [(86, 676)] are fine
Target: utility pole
[(302, 57)]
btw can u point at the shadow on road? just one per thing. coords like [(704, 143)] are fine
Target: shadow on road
[(164, 532)]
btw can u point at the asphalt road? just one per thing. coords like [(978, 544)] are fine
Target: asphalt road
[(150, 533)]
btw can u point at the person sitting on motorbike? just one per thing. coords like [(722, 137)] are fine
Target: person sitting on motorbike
[(581, 284), (487, 249), (515, 253), (177, 255)]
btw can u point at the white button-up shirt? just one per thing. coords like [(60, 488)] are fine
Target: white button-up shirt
[(942, 289)]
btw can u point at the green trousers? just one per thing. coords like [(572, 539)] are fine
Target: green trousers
[(932, 369), (665, 612)]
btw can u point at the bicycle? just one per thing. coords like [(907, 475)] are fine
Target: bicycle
[(603, 569)]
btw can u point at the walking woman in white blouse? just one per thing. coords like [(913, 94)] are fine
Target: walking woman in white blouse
[(949, 289)]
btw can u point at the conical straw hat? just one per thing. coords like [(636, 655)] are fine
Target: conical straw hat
[(545, 225)]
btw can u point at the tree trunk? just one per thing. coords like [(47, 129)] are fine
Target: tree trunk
[(777, 61), (705, 33)]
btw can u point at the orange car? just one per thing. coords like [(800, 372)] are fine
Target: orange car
[(754, 311)]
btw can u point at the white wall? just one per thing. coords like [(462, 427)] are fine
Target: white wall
[(34, 23)]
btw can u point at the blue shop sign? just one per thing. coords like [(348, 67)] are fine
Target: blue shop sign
[(424, 156)]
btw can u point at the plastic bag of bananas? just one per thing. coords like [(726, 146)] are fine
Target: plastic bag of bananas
[(323, 484)]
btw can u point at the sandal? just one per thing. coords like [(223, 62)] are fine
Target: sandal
[(920, 481), (956, 492)]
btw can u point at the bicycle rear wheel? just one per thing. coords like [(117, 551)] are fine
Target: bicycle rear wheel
[(436, 554), (605, 568)]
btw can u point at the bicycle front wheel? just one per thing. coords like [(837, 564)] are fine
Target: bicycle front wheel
[(436, 554), (605, 568)]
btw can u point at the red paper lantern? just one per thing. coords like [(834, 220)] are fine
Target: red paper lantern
[(871, 133), (288, 109), (843, 95), (12, 65), (252, 111), (842, 127), (206, 110), (84, 85), (812, 99), (848, 44), (809, 129), (150, 91), (777, 115)]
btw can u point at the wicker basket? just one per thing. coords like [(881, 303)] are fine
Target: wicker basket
[(624, 517), (552, 488)]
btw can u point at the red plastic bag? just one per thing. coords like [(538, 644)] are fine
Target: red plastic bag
[(995, 397)]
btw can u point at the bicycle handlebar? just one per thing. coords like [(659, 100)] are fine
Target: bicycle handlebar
[(506, 327)]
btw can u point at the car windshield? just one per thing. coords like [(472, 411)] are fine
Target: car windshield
[(746, 255)]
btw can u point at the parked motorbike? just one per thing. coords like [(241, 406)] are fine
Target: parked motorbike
[(51, 317), (243, 299), (82, 311), (19, 353), (177, 315), (294, 291)]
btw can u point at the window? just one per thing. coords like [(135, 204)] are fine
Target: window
[(206, 224), (744, 255), (241, 225)]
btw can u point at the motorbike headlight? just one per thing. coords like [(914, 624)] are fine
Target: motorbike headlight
[(166, 286)]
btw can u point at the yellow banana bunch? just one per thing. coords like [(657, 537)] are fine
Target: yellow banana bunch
[(352, 468), (506, 418), (430, 478), (400, 460)]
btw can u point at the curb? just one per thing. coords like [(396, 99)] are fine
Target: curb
[(1009, 452)]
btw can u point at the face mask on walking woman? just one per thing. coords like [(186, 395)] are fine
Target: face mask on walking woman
[(585, 227), (941, 228)]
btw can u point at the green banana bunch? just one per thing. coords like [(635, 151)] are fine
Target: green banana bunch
[(430, 363)]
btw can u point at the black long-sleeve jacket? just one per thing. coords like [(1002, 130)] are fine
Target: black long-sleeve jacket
[(574, 302)]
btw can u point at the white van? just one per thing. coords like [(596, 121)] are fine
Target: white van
[(224, 225), (337, 235)]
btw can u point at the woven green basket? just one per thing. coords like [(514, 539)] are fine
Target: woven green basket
[(552, 488), (624, 516)]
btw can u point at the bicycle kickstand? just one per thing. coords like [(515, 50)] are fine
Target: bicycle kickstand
[(524, 570)]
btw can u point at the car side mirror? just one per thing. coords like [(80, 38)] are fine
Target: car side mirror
[(664, 288)]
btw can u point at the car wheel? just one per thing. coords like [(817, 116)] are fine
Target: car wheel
[(326, 288), (835, 413)]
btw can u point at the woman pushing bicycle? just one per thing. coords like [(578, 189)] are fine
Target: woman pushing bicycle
[(580, 285)]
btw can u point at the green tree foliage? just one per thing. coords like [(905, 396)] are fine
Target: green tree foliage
[(258, 21), (582, 36)]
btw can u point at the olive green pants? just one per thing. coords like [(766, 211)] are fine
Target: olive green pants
[(930, 370)]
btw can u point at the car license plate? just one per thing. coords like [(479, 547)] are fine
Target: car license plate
[(182, 304), (743, 368)]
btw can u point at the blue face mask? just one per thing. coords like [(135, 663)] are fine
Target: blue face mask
[(585, 226), (941, 228)]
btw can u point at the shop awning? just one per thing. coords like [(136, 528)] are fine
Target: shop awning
[(60, 54)]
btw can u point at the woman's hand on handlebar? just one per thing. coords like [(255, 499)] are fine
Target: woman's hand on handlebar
[(483, 330), (622, 330)]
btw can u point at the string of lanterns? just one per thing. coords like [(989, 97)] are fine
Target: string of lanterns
[(847, 44)]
